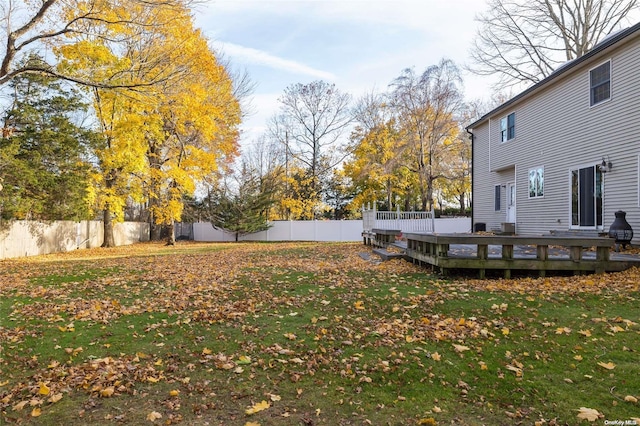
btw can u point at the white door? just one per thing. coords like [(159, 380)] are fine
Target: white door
[(511, 202)]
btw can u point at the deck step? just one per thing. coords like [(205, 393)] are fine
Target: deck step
[(388, 255)]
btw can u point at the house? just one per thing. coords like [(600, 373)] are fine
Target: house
[(564, 154)]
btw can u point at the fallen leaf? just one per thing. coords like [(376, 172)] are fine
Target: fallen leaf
[(55, 398), (436, 356), (174, 392), (243, 360), (44, 389), (153, 416), (36, 412), (515, 369), (588, 414), (359, 305), (107, 392), (20, 405), (630, 398), (608, 365), (460, 348), (257, 407)]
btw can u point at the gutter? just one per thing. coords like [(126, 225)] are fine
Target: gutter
[(471, 175)]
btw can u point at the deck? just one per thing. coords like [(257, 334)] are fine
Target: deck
[(507, 253)]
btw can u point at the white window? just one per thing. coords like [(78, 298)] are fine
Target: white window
[(508, 127), (600, 83), (536, 182)]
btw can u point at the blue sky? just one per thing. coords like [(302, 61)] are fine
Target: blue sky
[(360, 45)]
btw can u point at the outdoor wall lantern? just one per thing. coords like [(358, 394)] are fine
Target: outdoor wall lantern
[(606, 165)]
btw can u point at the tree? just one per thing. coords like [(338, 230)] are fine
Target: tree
[(524, 41), (312, 119), (161, 139), (375, 167), (44, 152), (199, 115), (29, 24), (426, 108), (241, 203)]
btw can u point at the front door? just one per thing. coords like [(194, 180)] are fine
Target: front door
[(586, 198), (511, 202)]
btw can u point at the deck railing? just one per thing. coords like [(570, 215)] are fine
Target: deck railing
[(402, 221)]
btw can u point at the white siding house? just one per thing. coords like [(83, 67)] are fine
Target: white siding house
[(538, 158)]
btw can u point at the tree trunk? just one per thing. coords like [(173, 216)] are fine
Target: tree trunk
[(155, 230), (171, 238), (109, 239), (462, 203)]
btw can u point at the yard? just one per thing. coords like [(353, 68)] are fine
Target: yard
[(308, 334)]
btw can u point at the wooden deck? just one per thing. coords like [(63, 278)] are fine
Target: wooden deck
[(507, 253)]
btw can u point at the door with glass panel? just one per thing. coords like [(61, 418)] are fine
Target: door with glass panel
[(586, 198)]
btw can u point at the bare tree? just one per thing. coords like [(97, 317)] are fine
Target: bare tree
[(427, 105), (313, 117), (371, 111), (524, 41)]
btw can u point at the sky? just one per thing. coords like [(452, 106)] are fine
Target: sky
[(360, 45)]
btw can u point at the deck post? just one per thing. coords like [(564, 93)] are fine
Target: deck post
[(575, 253), (603, 254), (542, 253), (507, 254)]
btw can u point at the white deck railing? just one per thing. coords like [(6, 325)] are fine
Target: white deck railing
[(403, 221)]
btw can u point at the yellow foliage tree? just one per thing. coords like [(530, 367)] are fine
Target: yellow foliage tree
[(29, 24), (375, 169), (198, 114), (160, 139)]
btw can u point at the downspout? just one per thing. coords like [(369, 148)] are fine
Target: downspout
[(471, 175)]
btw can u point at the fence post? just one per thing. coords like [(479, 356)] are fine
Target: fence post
[(375, 216), (433, 221)]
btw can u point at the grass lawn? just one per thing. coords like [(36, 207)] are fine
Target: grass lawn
[(308, 334)]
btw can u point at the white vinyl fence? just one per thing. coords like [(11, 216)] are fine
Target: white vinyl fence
[(315, 230), (30, 238)]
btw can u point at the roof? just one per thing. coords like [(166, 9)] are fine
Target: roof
[(606, 43)]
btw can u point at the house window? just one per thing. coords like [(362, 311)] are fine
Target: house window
[(536, 182), (496, 198), (600, 78), (508, 127)]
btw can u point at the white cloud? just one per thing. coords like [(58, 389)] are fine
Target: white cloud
[(260, 57)]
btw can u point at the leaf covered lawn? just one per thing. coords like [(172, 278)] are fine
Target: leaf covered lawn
[(307, 333)]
